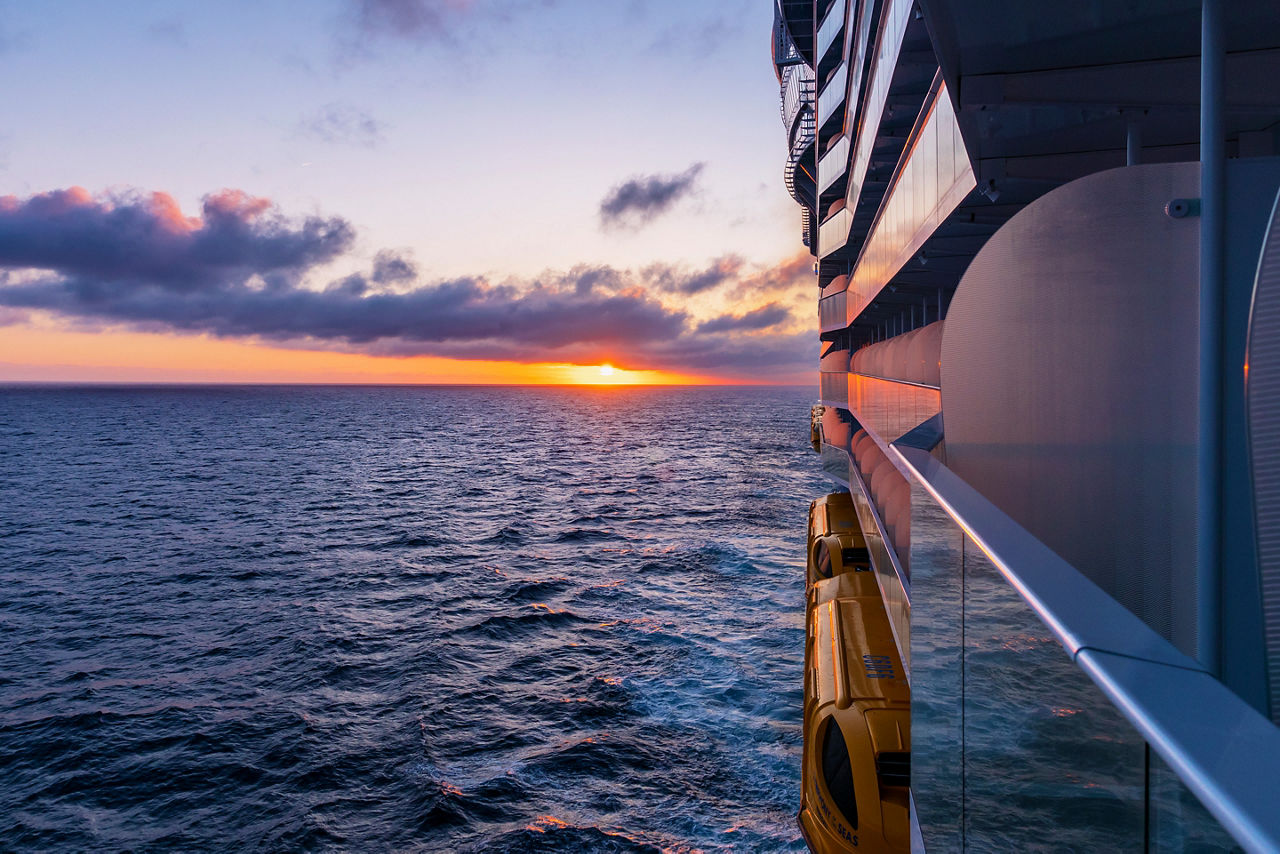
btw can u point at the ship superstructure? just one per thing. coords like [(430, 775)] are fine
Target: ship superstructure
[(1048, 269)]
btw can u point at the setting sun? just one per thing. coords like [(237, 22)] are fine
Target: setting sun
[(606, 370)]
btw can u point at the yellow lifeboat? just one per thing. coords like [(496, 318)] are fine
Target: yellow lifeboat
[(836, 544), (857, 709)]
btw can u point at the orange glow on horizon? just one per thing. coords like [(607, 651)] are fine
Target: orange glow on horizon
[(43, 350)]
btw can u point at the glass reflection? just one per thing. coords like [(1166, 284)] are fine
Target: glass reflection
[(1050, 763)]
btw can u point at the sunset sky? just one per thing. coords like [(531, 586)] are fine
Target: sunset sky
[(396, 191)]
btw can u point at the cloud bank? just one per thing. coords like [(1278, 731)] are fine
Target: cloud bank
[(639, 200), (243, 269)]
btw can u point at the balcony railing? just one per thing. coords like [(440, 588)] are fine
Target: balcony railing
[(893, 26), (832, 313), (830, 27), (1193, 767), (833, 93), (1007, 637), (834, 386), (833, 233), (833, 164), (933, 178)]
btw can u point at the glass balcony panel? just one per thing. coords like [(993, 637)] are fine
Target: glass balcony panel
[(857, 41), (891, 408), (835, 464), (1015, 748), (896, 601), (833, 164), (914, 206), (1179, 822), (888, 47), (834, 232), (937, 736), (833, 94), (832, 313), (1041, 741), (835, 388), (831, 26)]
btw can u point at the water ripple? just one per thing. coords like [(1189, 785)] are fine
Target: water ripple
[(401, 618)]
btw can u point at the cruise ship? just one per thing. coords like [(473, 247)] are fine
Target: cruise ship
[(1047, 261)]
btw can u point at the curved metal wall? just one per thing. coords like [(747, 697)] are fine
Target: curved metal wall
[(1263, 402), (1068, 383)]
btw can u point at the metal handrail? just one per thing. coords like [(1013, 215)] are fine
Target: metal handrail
[(1222, 749)]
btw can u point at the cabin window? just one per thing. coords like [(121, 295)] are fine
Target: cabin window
[(822, 559), (836, 773), (857, 558)]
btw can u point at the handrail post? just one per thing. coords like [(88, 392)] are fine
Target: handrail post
[(1212, 253)]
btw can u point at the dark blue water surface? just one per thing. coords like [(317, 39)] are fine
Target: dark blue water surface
[(402, 618)]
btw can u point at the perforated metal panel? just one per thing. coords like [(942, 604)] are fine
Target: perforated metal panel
[(1069, 383), (1262, 395)]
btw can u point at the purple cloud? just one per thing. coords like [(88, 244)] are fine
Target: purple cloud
[(639, 200), (762, 318), (240, 269), (145, 238), (673, 280)]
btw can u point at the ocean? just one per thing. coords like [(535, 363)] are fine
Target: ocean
[(409, 618)]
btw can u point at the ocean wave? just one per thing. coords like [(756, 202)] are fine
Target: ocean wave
[(316, 637)]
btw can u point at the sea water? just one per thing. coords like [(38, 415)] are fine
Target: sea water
[(402, 618)]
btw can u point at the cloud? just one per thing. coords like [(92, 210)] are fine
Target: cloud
[(392, 268), (342, 124), (145, 238), (789, 276), (638, 200), (243, 269), (762, 318), (673, 280), (407, 19)]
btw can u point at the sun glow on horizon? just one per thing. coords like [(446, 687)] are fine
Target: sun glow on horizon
[(605, 374), (44, 349)]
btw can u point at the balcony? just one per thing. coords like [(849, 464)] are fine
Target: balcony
[(833, 94), (832, 313), (1113, 728), (933, 178), (833, 233), (1005, 636), (834, 386), (893, 27), (834, 163), (832, 25)]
